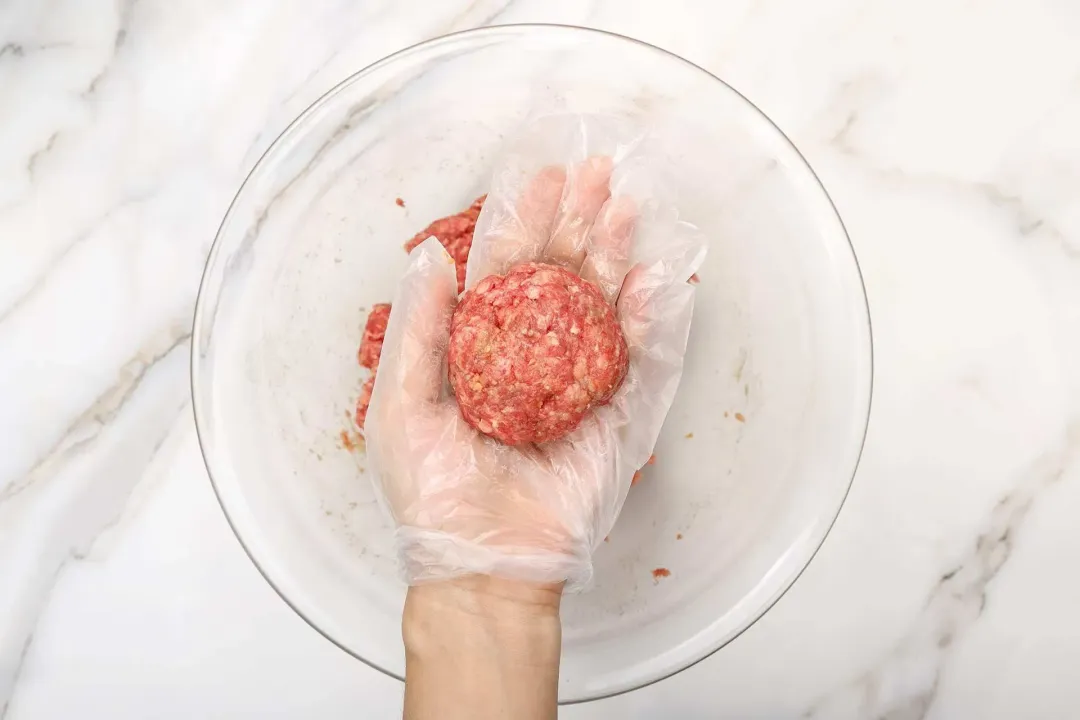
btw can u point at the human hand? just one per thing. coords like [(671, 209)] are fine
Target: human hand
[(466, 504)]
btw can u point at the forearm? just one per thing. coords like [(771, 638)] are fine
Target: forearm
[(481, 648)]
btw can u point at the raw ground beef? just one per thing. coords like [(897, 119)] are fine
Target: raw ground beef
[(374, 333), (456, 234), (532, 351), (364, 401), (368, 355)]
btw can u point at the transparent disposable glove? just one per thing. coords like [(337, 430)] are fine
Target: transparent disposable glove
[(464, 503)]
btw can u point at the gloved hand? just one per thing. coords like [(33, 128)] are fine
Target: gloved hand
[(466, 504)]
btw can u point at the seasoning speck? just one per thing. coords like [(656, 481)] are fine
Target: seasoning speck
[(694, 279), (689, 436), (660, 572), (651, 460), (399, 202), (634, 480), (350, 443), (678, 536), (740, 417)]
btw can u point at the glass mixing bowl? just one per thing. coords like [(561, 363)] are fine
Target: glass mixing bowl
[(760, 446)]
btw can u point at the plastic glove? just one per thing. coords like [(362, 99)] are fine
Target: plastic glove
[(464, 503)]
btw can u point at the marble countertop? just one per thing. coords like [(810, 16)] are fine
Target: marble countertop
[(946, 133)]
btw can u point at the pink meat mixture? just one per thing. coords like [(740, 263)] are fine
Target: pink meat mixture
[(455, 232), (368, 355), (456, 235), (532, 351), (374, 334)]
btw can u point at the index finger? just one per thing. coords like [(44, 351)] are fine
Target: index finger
[(418, 331), (508, 235), (586, 191), (408, 386), (607, 258)]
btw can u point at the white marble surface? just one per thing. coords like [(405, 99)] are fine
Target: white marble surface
[(947, 135)]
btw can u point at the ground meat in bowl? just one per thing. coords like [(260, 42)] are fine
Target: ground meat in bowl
[(374, 334), (532, 351), (455, 232)]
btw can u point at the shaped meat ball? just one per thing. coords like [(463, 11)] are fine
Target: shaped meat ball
[(532, 351)]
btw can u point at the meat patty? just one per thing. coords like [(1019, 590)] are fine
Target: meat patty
[(455, 232), (532, 351)]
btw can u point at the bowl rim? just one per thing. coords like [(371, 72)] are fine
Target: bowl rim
[(519, 28)]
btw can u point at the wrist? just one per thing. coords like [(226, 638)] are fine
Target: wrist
[(508, 609), (486, 596), (487, 647)]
